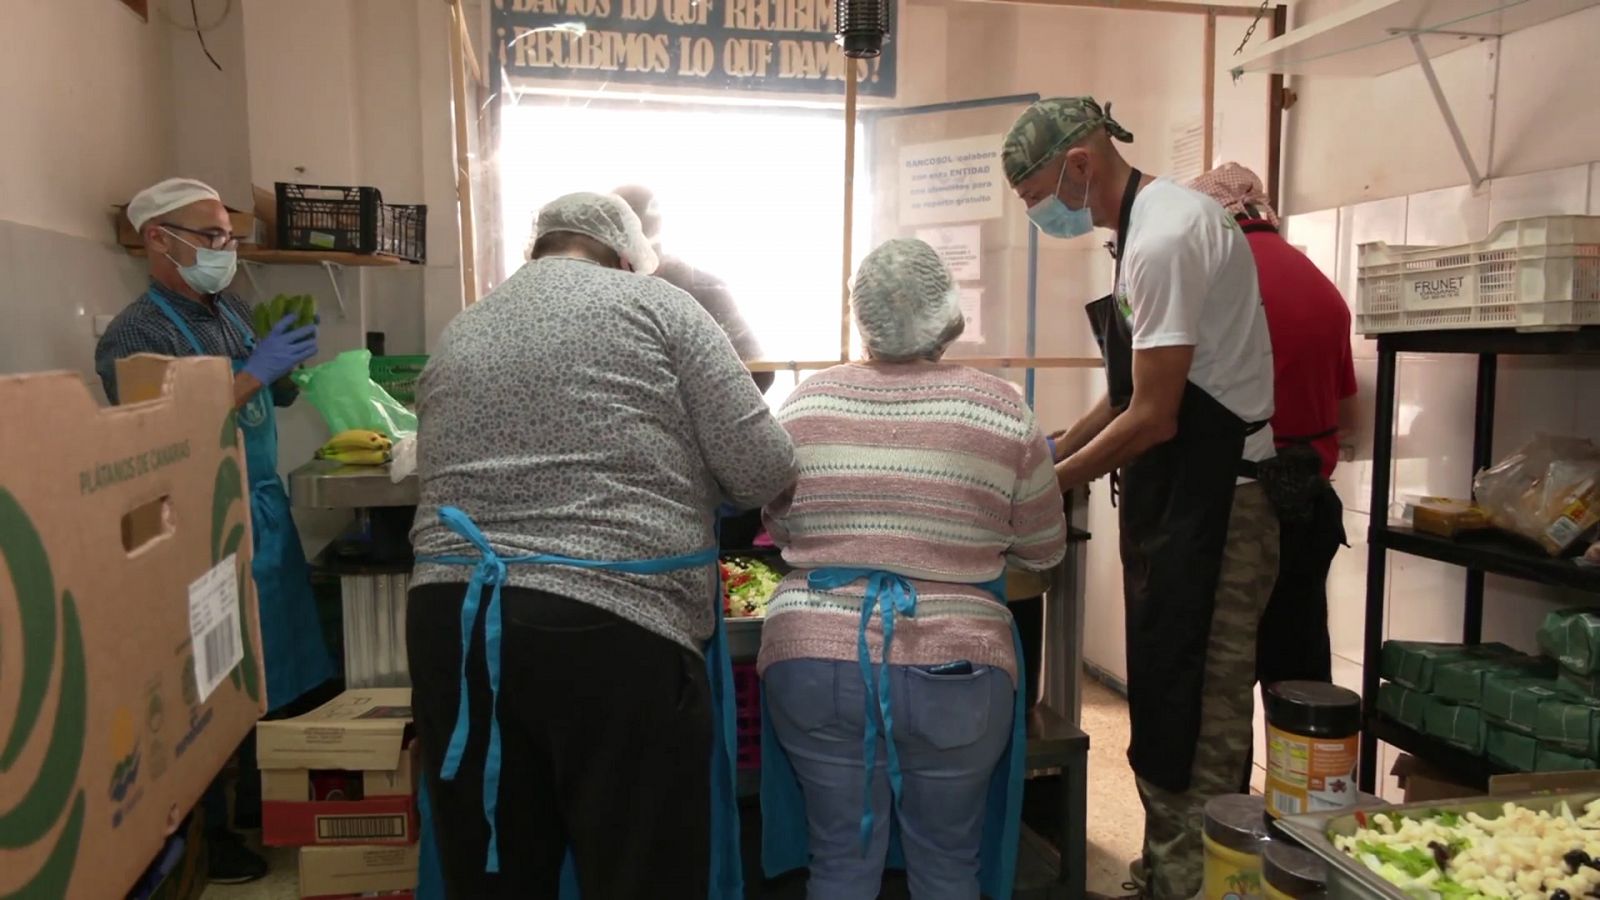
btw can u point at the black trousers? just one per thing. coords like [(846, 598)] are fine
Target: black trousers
[(605, 730), (1292, 641)]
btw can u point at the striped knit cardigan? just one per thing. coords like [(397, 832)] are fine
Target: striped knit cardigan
[(934, 471)]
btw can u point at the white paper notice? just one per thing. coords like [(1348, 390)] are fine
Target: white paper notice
[(951, 181), (961, 248), (972, 309), (214, 625)]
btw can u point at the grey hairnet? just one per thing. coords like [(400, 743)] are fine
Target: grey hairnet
[(904, 300), (605, 218)]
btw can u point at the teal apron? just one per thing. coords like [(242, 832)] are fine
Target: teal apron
[(489, 569), (784, 836), (295, 655)]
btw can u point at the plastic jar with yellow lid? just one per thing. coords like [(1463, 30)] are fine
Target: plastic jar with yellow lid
[(1234, 837)]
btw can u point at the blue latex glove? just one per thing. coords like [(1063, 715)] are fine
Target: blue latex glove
[(281, 350)]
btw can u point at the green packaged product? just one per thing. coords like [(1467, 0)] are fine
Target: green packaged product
[(1587, 685), (1458, 726), (1462, 681), (1572, 637), (1402, 704), (1505, 747), (1513, 701), (1553, 760), (1414, 664), (1569, 723)]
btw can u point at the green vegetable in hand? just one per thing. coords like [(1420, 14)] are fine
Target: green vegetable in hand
[(267, 315), (302, 306)]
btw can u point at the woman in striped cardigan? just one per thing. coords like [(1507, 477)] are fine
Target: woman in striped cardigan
[(919, 482)]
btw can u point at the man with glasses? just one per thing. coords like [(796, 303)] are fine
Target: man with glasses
[(187, 311)]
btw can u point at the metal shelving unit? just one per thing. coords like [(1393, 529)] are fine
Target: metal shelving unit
[(1478, 555)]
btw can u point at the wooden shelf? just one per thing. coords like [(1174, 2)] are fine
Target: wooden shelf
[(269, 257), (1372, 37)]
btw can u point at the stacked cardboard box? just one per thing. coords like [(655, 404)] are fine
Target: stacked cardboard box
[(130, 659), (340, 784)]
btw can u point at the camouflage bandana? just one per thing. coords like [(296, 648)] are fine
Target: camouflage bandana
[(1050, 126)]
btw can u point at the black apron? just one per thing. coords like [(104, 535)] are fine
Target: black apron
[(1174, 507)]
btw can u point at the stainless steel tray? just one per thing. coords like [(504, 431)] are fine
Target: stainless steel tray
[(1348, 878)]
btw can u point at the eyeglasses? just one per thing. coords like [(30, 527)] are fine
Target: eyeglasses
[(213, 238)]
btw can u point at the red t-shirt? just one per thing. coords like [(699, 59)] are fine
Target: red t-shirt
[(1310, 327)]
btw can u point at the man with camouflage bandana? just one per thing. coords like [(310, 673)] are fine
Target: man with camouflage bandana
[(1184, 423)]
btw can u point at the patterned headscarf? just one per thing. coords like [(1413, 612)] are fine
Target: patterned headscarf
[(1239, 191), (1050, 126)]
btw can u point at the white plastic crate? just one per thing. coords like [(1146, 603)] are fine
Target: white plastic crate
[(375, 630), (1530, 274)]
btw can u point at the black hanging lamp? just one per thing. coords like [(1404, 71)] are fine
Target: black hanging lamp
[(862, 26)]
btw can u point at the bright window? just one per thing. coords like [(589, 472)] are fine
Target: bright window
[(752, 196)]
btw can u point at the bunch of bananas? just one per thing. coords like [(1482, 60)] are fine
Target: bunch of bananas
[(266, 315), (302, 306), (357, 447)]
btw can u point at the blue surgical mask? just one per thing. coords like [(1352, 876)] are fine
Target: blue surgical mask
[(213, 270), (1059, 220)]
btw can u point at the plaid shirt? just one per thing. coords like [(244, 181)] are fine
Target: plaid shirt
[(143, 328)]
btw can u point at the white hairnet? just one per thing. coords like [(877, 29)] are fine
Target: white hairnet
[(605, 218), (160, 199), (905, 301)]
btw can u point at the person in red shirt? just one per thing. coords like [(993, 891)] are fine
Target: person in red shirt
[(1314, 379)]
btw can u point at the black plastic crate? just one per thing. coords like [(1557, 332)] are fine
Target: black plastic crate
[(350, 220)]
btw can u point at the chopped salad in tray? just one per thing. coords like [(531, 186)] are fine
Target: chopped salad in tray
[(747, 585), (1464, 856)]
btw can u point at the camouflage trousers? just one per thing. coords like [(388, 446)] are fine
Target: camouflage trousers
[(1173, 855)]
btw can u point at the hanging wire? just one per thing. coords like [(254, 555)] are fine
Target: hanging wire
[(194, 13)]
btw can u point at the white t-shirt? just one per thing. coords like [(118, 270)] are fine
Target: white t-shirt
[(1189, 280)]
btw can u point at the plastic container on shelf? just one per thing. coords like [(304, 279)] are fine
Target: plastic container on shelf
[(398, 375), (1532, 274), (350, 220)]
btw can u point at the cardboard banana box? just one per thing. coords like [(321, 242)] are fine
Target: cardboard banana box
[(130, 657)]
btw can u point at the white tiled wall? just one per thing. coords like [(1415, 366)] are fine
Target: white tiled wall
[(1434, 413)]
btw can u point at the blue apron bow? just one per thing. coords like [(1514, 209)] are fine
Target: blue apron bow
[(784, 837), (489, 569), (892, 594), (295, 657)]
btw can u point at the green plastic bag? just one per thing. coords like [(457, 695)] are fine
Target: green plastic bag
[(343, 391)]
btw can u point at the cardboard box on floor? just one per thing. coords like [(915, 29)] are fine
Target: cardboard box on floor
[(357, 869), (119, 529), (360, 731), (1424, 784)]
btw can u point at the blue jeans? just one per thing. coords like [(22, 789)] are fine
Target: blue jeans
[(950, 731)]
